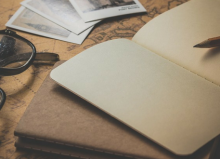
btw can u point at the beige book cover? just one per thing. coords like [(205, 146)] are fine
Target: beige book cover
[(157, 84)]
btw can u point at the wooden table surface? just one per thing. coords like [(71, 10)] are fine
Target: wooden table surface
[(20, 89)]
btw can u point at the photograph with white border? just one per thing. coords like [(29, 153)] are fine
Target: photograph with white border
[(29, 21), (60, 12), (91, 10)]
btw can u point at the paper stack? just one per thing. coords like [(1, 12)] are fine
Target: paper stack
[(66, 20)]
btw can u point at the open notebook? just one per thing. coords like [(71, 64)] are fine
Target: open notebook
[(59, 122), (157, 84)]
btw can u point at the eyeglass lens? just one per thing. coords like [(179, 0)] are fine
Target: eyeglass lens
[(14, 53)]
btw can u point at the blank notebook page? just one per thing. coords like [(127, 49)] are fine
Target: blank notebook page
[(174, 33)]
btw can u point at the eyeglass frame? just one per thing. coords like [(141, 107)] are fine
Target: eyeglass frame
[(14, 71), (18, 70)]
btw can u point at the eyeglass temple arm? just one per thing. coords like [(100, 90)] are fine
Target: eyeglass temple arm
[(44, 57), (3, 97)]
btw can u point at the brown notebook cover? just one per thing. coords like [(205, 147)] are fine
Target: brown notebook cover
[(57, 116)]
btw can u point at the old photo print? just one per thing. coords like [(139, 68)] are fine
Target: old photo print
[(60, 12), (91, 10), (29, 21), (92, 5)]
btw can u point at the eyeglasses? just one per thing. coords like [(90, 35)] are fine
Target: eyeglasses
[(17, 54)]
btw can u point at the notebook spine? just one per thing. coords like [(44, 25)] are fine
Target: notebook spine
[(189, 70), (71, 145)]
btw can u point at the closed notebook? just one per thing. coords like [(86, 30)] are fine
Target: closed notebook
[(55, 116)]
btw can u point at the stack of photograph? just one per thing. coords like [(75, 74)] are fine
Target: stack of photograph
[(65, 20)]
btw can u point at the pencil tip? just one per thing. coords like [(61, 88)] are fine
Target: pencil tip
[(197, 45)]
